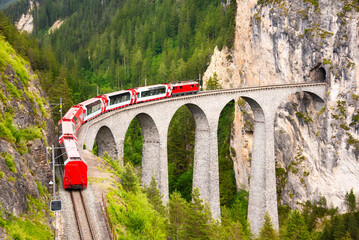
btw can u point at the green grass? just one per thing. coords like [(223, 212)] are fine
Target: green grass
[(13, 134), (14, 91), (8, 56), (9, 161), (1, 174), (28, 226)]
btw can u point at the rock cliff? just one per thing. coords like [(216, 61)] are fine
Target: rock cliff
[(26, 128), (279, 42)]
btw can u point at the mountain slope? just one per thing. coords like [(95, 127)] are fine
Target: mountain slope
[(25, 130)]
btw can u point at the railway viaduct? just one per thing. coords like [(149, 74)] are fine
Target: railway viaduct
[(110, 128)]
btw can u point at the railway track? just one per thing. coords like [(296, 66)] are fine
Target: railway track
[(81, 215), (84, 226)]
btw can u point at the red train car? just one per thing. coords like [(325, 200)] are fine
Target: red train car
[(93, 107), (184, 88), (74, 115), (75, 168), (151, 93), (119, 99), (66, 130)]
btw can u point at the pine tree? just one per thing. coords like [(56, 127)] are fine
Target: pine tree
[(267, 231), (178, 214), (296, 227), (130, 182), (154, 196), (199, 221), (350, 201)]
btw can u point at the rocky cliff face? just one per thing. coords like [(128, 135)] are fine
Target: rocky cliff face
[(279, 42), (26, 128)]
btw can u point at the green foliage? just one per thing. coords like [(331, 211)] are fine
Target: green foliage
[(11, 179), (16, 93), (18, 136), (161, 41), (180, 145), (227, 181), (1, 174), (8, 56), (129, 179), (296, 227), (350, 201), (213, 82), (129, 209), (42, 189), (9, 161), (178, 214), (154, 196), (133, 144), (140, 214), (267, 231), (94, 148)]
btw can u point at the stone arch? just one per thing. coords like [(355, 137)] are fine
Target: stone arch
[(106, 142), (297, 125), (150, 149)]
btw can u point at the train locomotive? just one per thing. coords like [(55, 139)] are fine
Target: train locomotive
[(75, 167)]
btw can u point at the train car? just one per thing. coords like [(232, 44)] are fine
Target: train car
[(75, 168), (184, 88), (74, 115), (66, 130), (150, 93), (119, 99), (93, 107)]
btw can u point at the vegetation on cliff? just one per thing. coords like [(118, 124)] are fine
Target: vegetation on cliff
[(24, 212)]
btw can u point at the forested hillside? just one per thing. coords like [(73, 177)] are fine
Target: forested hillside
[(119, 44)]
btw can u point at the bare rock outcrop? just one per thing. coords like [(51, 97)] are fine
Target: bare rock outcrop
[(279, 42), (23, 165)]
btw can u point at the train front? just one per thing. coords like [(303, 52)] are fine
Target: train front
[(75, 167)]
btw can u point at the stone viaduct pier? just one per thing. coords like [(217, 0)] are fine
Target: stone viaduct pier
[(109, 130)]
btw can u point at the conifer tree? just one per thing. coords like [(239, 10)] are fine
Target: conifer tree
[(198, 224), (178, 214), (350, 201), (130, 181), (267, 231), (296, 227), (154, 196)]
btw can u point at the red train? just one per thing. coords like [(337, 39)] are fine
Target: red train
[(75, 167)]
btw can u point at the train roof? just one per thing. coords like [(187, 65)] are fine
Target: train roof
[(91, 100), (152, 86), (71, 112), (67, 127), (71, 148), (183, 83), (118, 92)]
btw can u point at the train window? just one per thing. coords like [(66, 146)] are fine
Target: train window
[(154, 91), (192, 86), (75, 120), (119, 98), (93, 107), (180, 87)]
